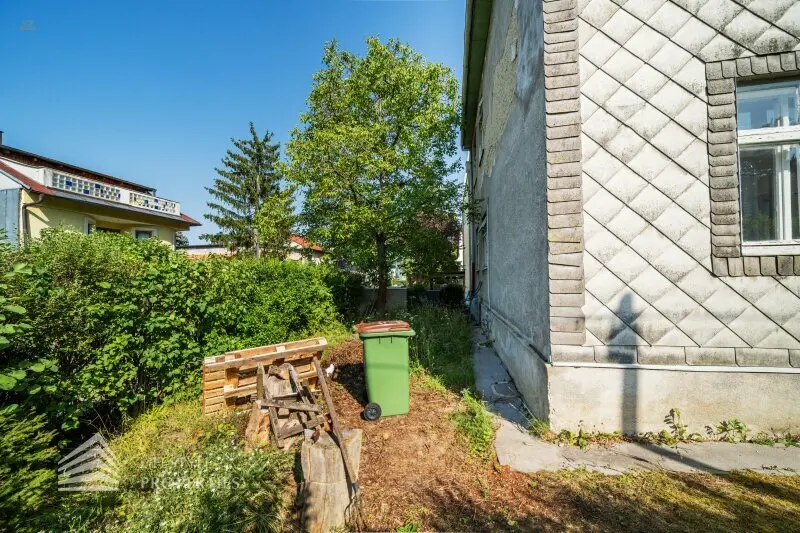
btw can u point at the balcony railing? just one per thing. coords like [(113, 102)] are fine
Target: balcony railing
[(104, 191)]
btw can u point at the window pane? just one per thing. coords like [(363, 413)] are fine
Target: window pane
[(759, 195), (143, 234), (767, 105)]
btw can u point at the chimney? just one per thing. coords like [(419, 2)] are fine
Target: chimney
[(1, 137)]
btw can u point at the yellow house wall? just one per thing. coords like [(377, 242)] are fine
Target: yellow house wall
[(72, 216)]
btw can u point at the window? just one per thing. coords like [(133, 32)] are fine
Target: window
[(143, 233), (768, 122)]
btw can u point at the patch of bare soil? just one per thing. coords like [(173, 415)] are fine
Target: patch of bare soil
[(415, 469)]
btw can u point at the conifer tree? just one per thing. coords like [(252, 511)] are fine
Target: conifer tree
[(249, 179)]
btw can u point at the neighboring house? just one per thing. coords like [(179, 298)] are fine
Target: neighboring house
[(201, 251), (37, 192), (640, 241), (300, 249), (304, 250)]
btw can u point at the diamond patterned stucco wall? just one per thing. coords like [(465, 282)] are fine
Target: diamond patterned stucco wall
[(650, 294)]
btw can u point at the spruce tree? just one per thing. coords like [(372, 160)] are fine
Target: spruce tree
[(249, 179)]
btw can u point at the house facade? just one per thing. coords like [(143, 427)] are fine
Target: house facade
[(37, 193), (300, 249), (635, 163)]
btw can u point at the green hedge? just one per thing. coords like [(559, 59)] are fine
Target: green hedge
[(128, 322)]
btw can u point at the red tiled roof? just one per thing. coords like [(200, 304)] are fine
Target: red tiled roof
[(189, 220), (302, 241), (25, 180)]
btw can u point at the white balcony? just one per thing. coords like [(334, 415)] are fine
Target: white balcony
[(112, 193)]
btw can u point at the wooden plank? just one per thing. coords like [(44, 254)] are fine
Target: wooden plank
[(281, 347), (211, 385), (214, 393), (253, 362), (240, 391), (211, 376), (216, 400), (294, 406), (214, 409)]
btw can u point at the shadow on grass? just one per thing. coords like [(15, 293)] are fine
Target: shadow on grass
[(645, 502)]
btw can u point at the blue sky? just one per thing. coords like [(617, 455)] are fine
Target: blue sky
[(152, 91)]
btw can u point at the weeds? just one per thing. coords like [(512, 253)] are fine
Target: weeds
[(732, 430), (474, 423), (442, 348)]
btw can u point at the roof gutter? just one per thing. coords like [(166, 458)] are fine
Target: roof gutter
[(476, 35)]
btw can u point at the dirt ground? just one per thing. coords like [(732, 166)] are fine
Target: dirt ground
[(416, 474)]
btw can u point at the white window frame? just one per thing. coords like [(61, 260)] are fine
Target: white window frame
[(783, 137), (151, 231), (87, 223)]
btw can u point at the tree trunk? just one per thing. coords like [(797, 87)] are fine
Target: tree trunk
[(383, 282)]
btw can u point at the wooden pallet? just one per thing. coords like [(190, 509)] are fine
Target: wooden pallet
[(229, 380)]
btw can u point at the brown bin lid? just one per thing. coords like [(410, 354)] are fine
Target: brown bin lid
[(382, 326)]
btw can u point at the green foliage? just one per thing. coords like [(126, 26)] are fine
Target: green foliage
[(249, 182), (442, 346), (347, 289), (267, 301), (374, 151), (452, 295), (128, 322), (275, 222), (732, 430), (181, 240), (180, 471), (431, 247), (475, 424), (27, 475), (676, 432), (541, 429)]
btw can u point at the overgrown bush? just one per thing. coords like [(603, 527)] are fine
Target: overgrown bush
[(266, 301), (347, 289), (128, 322), (452, 295)]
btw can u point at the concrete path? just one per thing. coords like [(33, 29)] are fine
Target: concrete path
[(516, 448)]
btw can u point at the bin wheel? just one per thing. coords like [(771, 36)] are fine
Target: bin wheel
[(372, 412)]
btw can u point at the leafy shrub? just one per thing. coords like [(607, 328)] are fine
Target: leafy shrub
[(347, 289), (452, 295), (128, 322), (267, 301)]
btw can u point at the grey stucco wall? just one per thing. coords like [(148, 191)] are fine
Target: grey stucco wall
[(510, 178), (636, 400)]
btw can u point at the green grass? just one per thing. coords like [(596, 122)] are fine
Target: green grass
[(442, 348), (476, 426), (180, 471)]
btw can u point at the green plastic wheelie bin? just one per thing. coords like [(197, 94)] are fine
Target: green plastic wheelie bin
[(386, 367)]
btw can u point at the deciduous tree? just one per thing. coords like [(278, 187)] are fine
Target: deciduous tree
[(373, 153)]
